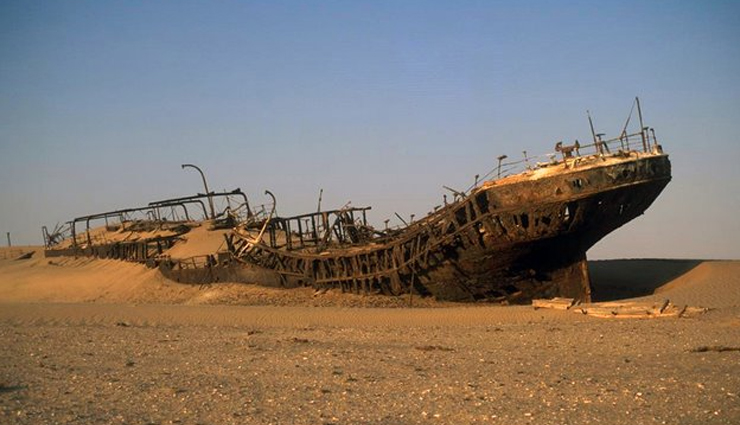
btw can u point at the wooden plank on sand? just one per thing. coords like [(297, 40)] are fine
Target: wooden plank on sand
[(554, 303)]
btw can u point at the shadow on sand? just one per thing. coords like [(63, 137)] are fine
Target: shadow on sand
[(619, 279)]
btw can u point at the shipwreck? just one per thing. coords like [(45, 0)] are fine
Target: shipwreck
[(519, 233)]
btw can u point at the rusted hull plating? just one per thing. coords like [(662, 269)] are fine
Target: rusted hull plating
[(510, 241)]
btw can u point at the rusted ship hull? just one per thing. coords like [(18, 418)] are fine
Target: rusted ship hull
[(513, 238), (507, 240), (534, 242)]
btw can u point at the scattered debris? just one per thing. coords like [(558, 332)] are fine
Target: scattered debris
[(25, 256), (554, 303), (11, 388), (714, 348), (433, 348), (621, 310), (15, 254)]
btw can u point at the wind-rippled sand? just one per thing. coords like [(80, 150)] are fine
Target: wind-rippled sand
[(98, 341)]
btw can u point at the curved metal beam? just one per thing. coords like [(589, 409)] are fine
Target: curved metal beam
[(205, 184)]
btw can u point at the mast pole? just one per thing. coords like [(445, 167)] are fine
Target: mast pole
[(593, 133), (642, 126)]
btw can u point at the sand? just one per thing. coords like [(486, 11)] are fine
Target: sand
[(103, 341)]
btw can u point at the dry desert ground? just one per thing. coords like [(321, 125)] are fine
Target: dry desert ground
[(86, 341)]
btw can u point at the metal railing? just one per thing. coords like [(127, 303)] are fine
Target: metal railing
[(643, 141)]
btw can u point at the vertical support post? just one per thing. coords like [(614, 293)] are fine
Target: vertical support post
[(498, 174), (288, 236), (655, 141), (325, 222), (73, 226), (642, 126), (314, 233), (593, 132), (87, 232), (9, 244), (601, 144)]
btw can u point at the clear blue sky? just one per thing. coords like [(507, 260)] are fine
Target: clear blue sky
[(380, 103)]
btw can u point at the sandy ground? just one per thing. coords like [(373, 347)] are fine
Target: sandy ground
[(97, 341)]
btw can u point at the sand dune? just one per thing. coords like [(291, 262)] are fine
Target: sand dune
[(707, 283), (199, 241), (86, 280)]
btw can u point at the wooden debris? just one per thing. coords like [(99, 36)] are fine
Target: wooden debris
[(25, 256), (15, 254), (621, 310), (433, 348), (554, 303), (714, 348)]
